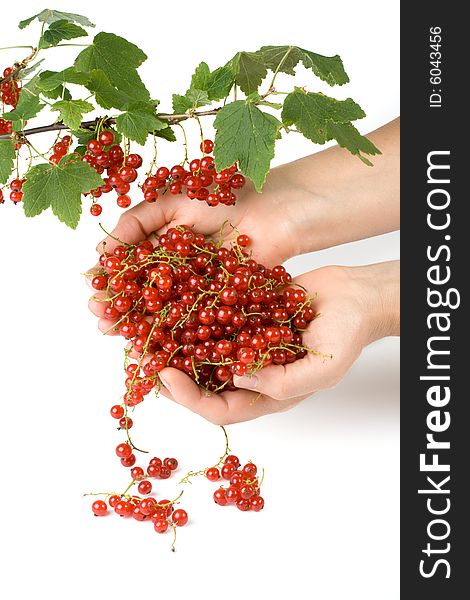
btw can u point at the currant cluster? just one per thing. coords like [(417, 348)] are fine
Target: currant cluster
[(10, 90), (197, 180), (161, 513), (199, 307), (244, 489), (103, 154), (16, 195), (60, 149), (6, 127)]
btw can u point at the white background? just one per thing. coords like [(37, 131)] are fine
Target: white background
[(330, 526)]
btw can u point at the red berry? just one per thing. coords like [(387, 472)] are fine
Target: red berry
[(123, 450), (117, 412), (180, 517), (106, 138), (96, 209), (207, 146), (161, 525), (145, 487), (213, 474), (219, 497), (99, 508), (256, 503)]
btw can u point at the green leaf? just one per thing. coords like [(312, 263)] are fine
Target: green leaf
[(349, 137), (200, 78), (219, 84), (285, 58), (311, 113), (180, 104), (138, 121), (58, 31), (106, 94), (49, 16), (248, 71), (247, 135), (29, 103), (72, 111), (119, 60), (167, 134), (59, 92), (205, 87), (60, 187), (321, 119), (50, 80), (7, 157)]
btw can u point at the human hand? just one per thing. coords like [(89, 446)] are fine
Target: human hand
[(357, 306)]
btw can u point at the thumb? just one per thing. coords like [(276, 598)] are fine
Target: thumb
[(135, 225), (283, 382)]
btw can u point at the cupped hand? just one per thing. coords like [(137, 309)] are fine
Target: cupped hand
[(356, 306)]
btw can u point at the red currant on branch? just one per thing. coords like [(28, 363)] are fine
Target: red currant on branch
[(245, 137)]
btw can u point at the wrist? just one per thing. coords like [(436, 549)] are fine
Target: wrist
[(380, 299)]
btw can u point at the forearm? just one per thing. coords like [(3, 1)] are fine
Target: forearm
[(331, 197)]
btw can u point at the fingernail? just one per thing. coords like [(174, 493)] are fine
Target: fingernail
[(165, 383), (250, 383)]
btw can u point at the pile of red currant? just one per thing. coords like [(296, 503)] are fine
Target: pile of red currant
[(10, 90), (197, 306), (211, 311)]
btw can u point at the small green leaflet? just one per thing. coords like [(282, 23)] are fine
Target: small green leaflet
[(248, 71), (60, 187), (49, 16), (166, 133), (58, 31), (247, 135), (59, 92), (205, 87), (138, 121), (219, 84), (50, 80), (72, 111), (28, 105), (285, 58), (119, 60), (349, 137), (321, 118), (7, 157)]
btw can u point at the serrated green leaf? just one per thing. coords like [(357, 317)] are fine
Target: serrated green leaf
[(247, 135), (311, 113), (50, 80), (180, 104), (119, 60), (106, 95), (200, 78), (285, 58), (58, 31), (29, 103), (60, 187), (248, 71), (167, 134), (7, 157), (59, 92), (219, 84), (349, 137), (138, 121), (197, 98), (72, 111), (51, 16)]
